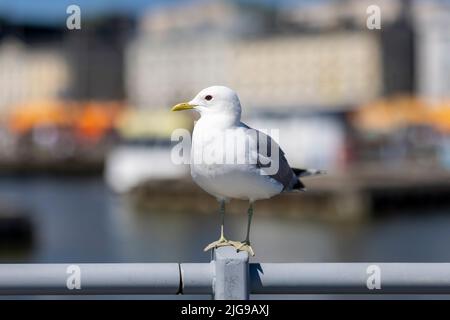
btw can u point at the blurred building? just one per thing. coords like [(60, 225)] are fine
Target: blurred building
[(329, 15), (46, 63), (61, 92), (95, 54), (433, 49), (32, 65), (179, 50), (395, 39)]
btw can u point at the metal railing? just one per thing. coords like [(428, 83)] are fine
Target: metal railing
[(228, 276)]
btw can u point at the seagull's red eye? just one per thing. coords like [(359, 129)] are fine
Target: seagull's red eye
[(208, 97)]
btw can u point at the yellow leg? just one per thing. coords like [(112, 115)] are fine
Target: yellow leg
[(222, 240), (245, 245)]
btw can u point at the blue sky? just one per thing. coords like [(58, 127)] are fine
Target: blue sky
[(54, 11)]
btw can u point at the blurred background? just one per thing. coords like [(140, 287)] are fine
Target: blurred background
[(85, 170)]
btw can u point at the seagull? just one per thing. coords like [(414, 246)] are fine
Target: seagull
[(229, 170)]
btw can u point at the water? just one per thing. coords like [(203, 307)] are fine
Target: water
[(79, 220)]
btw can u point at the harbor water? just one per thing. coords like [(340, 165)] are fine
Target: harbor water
[(80, 220)]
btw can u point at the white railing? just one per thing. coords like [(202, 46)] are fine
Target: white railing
[(228, 276)]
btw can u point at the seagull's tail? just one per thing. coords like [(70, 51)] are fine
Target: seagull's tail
[(301, 173)]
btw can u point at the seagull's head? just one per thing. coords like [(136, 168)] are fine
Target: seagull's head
[(215, 100)]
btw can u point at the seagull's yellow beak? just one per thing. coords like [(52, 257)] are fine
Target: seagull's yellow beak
[(183, 106)]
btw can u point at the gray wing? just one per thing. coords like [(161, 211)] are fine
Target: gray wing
[(268, 151)]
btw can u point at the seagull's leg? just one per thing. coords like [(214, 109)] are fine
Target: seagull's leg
[(245, 245), (222, 240), (222, 218)]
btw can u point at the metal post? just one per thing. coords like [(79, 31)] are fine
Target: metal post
[(231, 274)]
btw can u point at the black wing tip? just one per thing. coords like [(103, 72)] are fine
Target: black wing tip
[(308, 172), (299, 186)]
